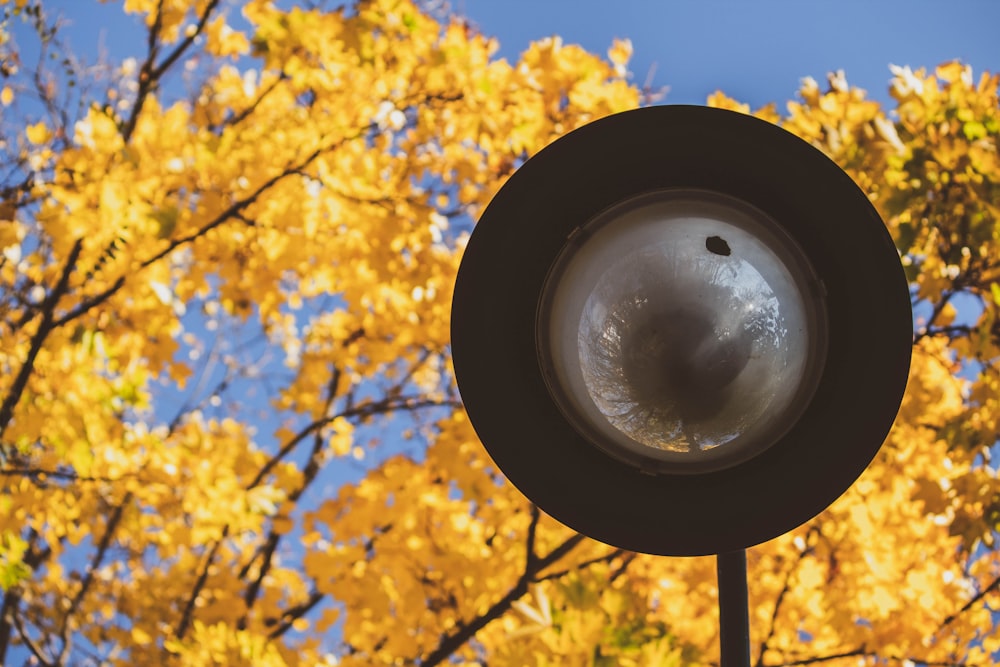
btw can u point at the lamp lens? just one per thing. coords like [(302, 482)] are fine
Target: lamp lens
[(682, 331)]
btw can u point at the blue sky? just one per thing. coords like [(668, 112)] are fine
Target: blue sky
[(756, 50)]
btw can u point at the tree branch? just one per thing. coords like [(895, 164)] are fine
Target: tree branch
[(12, 599), (994, 585), (860, 651), (241, 116), (388, 404), (35, 649), (785, 588), (150, 72), (88, 578), (293, 614), (939, 307), (232, 212), (863, 652), (188, 613), (45, 327), (37, 473), (607, 558), (451, 643)]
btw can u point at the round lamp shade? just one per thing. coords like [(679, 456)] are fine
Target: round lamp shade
[(681, 330)]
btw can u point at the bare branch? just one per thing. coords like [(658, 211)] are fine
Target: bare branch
[(35, 649), (861, 651), (367, 409), (243, 115), (36, 474)]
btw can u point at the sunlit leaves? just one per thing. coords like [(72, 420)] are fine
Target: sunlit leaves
[(229, 300), (910, 535), (310, 195)]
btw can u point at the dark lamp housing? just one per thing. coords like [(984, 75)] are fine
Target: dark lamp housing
[(681, 330)]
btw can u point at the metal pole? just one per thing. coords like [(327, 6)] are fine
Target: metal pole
[(734, 615)]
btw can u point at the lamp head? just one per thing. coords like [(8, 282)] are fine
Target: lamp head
[(681, 330)]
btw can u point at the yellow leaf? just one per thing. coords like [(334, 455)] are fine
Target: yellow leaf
[(342, 438), (140, 636), (222, 40), (37, 133), (282, 524), (327, 619), (619, 54)]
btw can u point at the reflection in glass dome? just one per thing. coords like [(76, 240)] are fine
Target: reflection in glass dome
[(664, 364), (683, 330)]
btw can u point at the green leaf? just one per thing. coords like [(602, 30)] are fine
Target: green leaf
[(13, 569), (166, 217), (974, 130)]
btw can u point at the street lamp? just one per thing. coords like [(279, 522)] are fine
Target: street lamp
[(681, 331)]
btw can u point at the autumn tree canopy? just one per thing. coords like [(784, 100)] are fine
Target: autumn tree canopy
[(229, 432)]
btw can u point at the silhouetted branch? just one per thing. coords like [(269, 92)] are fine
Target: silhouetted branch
[(785, 588), (230, 213), (12, 599), (823, 658), (36, 474), (150, 72), (368, 409), (186, 616), (45, 327), (88, 578), (863, 652), (451, 643), (993, 586), (35, 649), (607, 558), (293, 614)]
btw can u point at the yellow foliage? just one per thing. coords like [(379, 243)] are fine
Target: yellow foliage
[(209, 302), (222, 40)]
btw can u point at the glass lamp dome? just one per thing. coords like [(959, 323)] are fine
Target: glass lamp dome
[(681, 331)]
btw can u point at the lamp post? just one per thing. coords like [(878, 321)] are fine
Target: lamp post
[(682, 331)]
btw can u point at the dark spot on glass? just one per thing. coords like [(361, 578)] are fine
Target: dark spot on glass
[(718, 245)]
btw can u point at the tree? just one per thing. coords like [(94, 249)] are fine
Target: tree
[(229, 432)]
